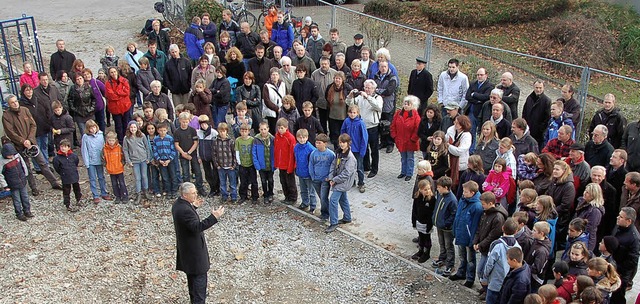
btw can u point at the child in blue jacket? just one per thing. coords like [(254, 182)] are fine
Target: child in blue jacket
[(263, 159), (302, 152), (443, 217), (464, 227), (319, 166), (355, 127)]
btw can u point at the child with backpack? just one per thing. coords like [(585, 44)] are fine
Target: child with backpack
[(496, 268)]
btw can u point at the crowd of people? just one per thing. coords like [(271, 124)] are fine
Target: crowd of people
[(515, 188)]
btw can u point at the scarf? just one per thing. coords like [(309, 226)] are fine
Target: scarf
[(338, 90), (355, 74), (207, 132)]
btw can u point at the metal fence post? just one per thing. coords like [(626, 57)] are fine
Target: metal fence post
[(582, 96), (428, 47), (333, 16)]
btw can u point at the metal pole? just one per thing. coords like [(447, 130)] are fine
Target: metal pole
[(333, 16), (283, 6), (582, 96), (428, 49)]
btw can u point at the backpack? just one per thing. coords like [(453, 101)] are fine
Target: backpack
[(511, 194), (233, 82), (148, 27)]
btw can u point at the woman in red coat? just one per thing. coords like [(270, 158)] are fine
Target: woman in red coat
[(118, 100), (404, 130)]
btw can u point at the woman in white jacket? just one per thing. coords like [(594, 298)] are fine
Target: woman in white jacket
[(459, 139), (272, 94)]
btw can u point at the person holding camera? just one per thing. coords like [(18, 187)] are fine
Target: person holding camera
[(370, 105)]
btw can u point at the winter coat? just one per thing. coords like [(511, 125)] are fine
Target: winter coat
[(615, 123), (65, 124), (598, 155), (136, 149), (387, 84), (554, 125), (258, 152), (445, 210), (82, 102), (314, 48), (19, 126), (572, 108), (14, 170), (283, 150), (252, 96), (132, 59), (537, 112), (470, 175), (61, 60), (439, 162), (177, 75), (563, 194), (525, 144), (322, 80), (208, 74), (144, 79), (163, 40), (538, 258), (462, 149), (320, 164), (282, 34), (516, 285), (272, 98), (220, 92), (373, 68), (404, 130), (343, 171), (631, 143), (159, 61), (113, 159), (202, 102), (304, 90), (40, 111), (525, 239), (92, 145), (302, 155), (593, 215), (628, 251), (485, 113), (209, 32), (206, 138), (607, 287), (194, 41), (583, 237), (33, 80), (476, 96), (452, 91), (426, 130), (628, 199), (161, 101), (66, 164), (261, 69), (496, 268), (312, 124), (498, 183), (490, 227), (359, 135), (118, 95), (421, 203), (291, 116), (355, 81), (63, 88), (98, 91), (511, 95), (487, 151), (304, 60), (246, 43), (232, 28), (565, 288), (525, 171), (192, 254), (577, 268), (421, 86), (467, 219)]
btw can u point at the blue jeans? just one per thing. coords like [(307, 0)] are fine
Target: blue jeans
[(322, 189), (447, 251), (140, 173), (407, 160), (20, 199), (493, 297), (480, 268), (43, 142), (307, 194), (154, 172), (97, 172), (360, 168), (195, 169), (339, 197), (81, 127), (169, 177), (219, 114), (467, 266), (231, 175)]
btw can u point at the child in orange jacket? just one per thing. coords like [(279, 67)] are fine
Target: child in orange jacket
[(285, 161), (114, 162)]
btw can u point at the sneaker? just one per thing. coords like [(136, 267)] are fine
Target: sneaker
[(456, 277), (444, 272), (331, 228), (21, 217), (483, 295), (254, 201), (407, 178), (425, 257), (401, 175), (28, 214), (303, 207), (361, 188), (417, 255), (468, 284), (138, 198), (415, 240), (271, 199), (311, 210), (148, 195), (342, 221), (437, 263)]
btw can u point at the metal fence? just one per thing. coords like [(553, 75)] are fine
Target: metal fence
[(406, 43)]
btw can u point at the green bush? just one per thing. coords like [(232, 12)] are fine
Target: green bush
[(629, 48), (468, 13), (199, 7), (386, 9)]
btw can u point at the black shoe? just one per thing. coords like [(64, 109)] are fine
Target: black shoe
[(35, 192), (389, 149), (341, 221), (468, 284), (407, 178), (401, 176), (331, 228), (22, 217), (372, 174), (56, 187), (303, 207), (423, 258), (381, 147), (28, 214), (415, 240), (417, 255), (456, 277), (38, 171)]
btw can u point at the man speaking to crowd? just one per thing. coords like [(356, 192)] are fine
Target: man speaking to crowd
[(192, 254)]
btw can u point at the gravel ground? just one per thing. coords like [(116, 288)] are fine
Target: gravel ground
[(259, 254)]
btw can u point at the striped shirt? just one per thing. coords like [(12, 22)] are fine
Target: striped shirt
[(164, 148)]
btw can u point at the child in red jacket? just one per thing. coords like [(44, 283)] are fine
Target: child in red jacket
[(498, 181), (285, 161)]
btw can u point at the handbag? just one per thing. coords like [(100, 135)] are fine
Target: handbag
[(384, 126)]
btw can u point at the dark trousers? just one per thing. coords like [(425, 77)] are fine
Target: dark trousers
[(424, 241), (197, 287), (266, 178), (195, 169), (372, 151), (248, 176), (272, 124), (66, 193), (211, 175), (323, 116), (119, 188), (154, 178), (99, 115), (120, 121), (386, 140), (288, 182), (334, 131)]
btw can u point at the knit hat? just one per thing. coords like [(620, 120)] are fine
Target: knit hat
[(610, 243), (133, 122)]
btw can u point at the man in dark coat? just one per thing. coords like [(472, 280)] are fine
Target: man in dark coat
[(247, 41), (511, 94), (537, 112), (260, 65), (177, 76), (303, 89), (61, 60), (611, 117), (571, 105), (521, 139), (631, 144), (42, 113), (477, 94), (628, 251), (421, 84), (598, 150), (192, 255), (209, 29), (353, 52)]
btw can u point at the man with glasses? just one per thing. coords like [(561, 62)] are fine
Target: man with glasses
[(598, 150), (287, 73), (626, 256), (192, 255), (611, 117)]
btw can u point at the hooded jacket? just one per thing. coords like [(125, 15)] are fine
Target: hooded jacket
[(498, 183), (206, 138), (282, 34), (343, 171), (193, 41), (606, 287), (490, 227), (564, 194), (113, 159), (118, 92), (136, 149), (467, 219), (158, 61), (516, 286), (525, 239), (14, 170), (583, 237), (497, 267), (66, 164), (445, 210), (538, 257), (524, 144)]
